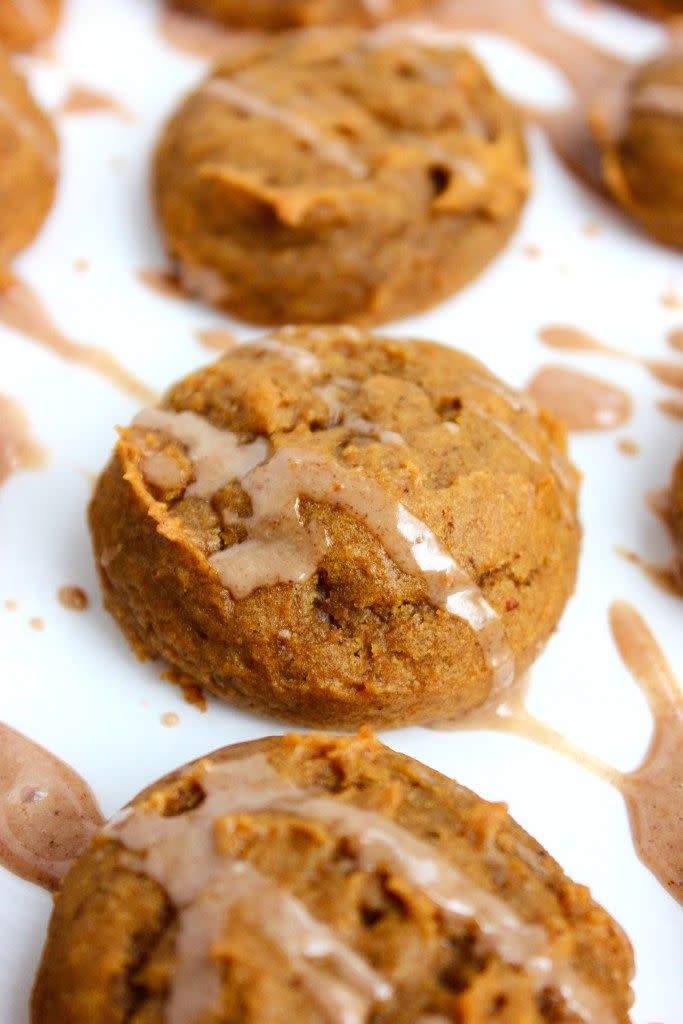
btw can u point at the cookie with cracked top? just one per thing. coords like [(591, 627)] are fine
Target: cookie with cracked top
[(336, 176)]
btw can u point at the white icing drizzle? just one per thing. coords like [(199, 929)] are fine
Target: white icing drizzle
[(218, 456), (180, 852), (330, 150)]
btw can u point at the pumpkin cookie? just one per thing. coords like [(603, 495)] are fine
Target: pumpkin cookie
[(639, 126), (26, 22), (332, 529), (315, 879), (331, 176), (28, 163)]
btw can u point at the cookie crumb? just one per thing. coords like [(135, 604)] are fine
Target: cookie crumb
[(170, 719), (73, 598)]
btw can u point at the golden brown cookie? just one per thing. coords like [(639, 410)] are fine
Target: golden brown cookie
[(639, 126), (331, 176), (332, 529), (279, 14), (26, 22), (315, 879), (28, 163)]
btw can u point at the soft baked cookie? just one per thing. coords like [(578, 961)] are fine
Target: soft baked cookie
[(639, 126), (317, 879), (279, 14), (28, 163), (331, 176), (25, 22), (332, 528)]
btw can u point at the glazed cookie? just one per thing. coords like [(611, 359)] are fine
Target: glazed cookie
[(317, 879), (332, 176), (333, 529), (26, 22), (279, 14), (28, 163), (655, 8), (640, 130)]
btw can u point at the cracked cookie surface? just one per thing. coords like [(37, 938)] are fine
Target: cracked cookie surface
[(324, 879), (333, 528), (333, 176)]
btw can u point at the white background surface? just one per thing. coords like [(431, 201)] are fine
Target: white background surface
[(77, 688)]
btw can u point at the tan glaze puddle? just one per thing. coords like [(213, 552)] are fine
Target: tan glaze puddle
[(164, 282), (217, 339), (81, 99), (198, 37), (654, 791), (562, 337), (583, 402), (23, 310), (48, 814), (18, 447)]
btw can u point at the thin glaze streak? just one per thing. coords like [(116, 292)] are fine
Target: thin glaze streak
[(329, 150), (48, 814), (22, 310), (251, 785), (654, 791)]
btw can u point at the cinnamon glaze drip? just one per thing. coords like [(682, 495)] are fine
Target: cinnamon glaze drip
[(571, 339), (82, 99), (217, 339), (281, 547), (208, 888), (48, 814), (653, 792), (581, 401), (18, 448), (196, 36), (22, 310)]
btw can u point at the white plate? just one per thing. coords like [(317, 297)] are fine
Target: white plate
[(76, 688)]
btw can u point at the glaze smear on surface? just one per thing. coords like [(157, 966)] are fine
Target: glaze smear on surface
[(281, 547), (208, 888), (48, 814), (18, 448)]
